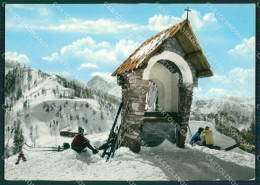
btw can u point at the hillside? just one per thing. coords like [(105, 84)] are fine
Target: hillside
[(39, 105), (237, 111)]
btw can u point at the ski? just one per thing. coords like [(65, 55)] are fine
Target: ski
[(231, 147), (41, 146), (112, 141), (58, 148), (48, 150), (116, 146)]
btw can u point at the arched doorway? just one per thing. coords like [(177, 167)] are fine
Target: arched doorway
[(166, 72), (164, 80)]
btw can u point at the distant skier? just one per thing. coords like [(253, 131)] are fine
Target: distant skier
[(21, 156), (207, 136), (196, 139), (80, 142)]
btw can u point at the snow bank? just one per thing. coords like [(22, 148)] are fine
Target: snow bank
[(245, 159)]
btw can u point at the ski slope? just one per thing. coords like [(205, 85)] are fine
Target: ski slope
[(186, 164)]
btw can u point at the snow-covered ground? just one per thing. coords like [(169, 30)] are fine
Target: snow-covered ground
[(164, 162), (46, 113), (68, 165), (235, 155)]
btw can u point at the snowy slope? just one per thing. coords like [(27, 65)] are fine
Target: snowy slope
[(150, 164), (46, 103), (223, 141)]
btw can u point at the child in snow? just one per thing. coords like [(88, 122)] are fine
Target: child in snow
[(21, 156), (80, 142), (208, 137), (196, 139)]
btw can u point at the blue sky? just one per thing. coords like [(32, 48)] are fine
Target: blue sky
[(81, 41)]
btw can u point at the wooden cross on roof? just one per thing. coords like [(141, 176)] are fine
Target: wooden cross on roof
[(187, 10)]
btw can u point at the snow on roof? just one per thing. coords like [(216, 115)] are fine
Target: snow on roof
[(148, 48)]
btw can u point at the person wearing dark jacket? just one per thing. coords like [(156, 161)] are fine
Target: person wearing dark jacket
[(196, 139), (79, 142), (21, 156)]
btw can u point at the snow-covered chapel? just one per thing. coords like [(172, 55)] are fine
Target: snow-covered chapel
[(157, 83)]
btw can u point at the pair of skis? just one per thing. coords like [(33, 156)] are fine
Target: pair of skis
[(51, 148), (112, 141)]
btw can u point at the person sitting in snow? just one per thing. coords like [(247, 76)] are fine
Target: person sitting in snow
[(207, 136), (80, 142), (21, 156), (196, 139)]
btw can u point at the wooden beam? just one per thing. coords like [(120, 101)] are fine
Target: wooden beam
[(190, 56)]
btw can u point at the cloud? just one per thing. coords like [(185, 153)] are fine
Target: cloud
[(219, 78), (51, 58), (215, 92), (14, 56), (235, 75), (88, 66), (65, 73), (105, 75), (98, 52), (38, 8), (247, 47), (209, 17), (242, 74), (125, 48), (197, 90), (160, 22), (212, 93), (74, 25)]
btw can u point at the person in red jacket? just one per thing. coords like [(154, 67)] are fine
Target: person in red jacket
[(21, 156), (80, 142)]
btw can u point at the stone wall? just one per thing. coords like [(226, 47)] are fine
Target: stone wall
[(134, 90), (173, 45), (185, 101)]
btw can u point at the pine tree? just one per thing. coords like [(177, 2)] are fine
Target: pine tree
[(18, 138)]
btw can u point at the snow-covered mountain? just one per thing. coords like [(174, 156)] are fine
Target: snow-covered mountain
[(101, 84), (39, 105), (236, 111), (106, 86)]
